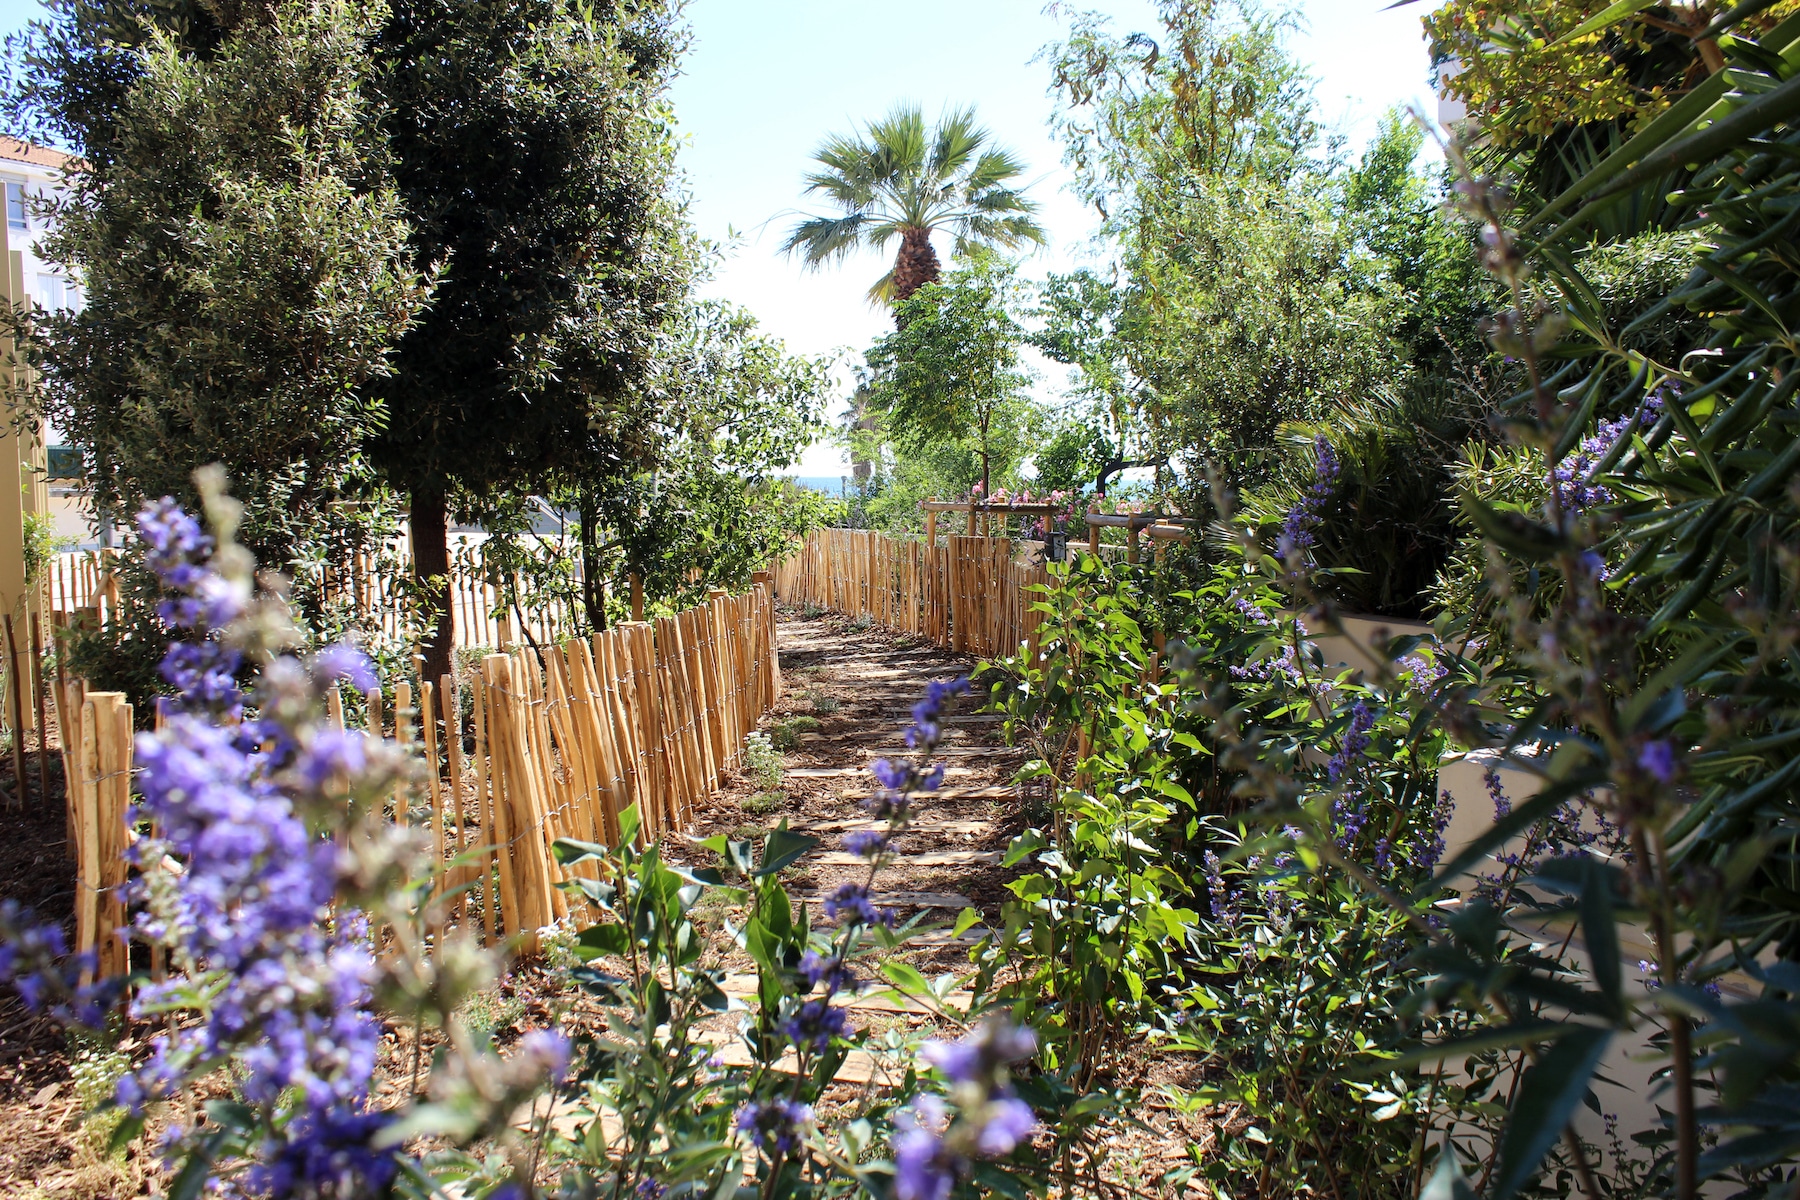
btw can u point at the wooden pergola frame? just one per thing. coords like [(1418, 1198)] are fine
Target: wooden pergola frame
[(934, 506), (1158, 527)]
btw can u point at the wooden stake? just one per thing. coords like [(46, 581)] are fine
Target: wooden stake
[(37, 696), (428, 726), (453, 743), (18, 714), (403, 735), (484, 811)]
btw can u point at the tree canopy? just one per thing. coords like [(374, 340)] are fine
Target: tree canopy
[(950, 373), (243, 254)]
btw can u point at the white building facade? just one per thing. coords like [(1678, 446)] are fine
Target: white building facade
[(31, 175)]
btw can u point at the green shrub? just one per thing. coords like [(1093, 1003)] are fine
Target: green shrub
[(763, 803)]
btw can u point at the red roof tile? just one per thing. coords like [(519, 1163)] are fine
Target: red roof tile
[(38, 156)]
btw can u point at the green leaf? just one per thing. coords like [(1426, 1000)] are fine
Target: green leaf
[(1505, 1037), (1610, 15), (906, 977), (782, 848), (630, 821), (965, 920), (1023, 846), (607, 939), (1447, 1182), (229, 1114), (568, 851), (124, 1133), (1547, 1097), (1513, 531)]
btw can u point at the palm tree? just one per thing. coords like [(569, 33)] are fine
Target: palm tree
[(898, 179)]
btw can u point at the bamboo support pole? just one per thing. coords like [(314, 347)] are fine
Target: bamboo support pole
[(402, 735), (37, 699)]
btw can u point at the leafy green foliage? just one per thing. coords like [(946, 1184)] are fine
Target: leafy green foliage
[(1156, 908), (950, 373), (243, 255)]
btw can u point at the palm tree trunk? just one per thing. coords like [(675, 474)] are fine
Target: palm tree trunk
[(916, 265)]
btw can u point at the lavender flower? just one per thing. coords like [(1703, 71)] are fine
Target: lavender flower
[(829, 972), (866, 843), (1297, 528), (1356, 742), (1427, 847), (814, 1024), (1009, 1121), (1572, 479), (35, 959), (1223, 910), (923, 1167), (852, 903), (930, 1151), (339, 661), (778, 1123), (926, 730), (326, 1153), (1658, 759)]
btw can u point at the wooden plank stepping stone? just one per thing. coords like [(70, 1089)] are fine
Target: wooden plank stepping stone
[(919, 825), (999, 792), (888, 751), (870, 997), (944, 858), (842, 772), (914, 900), (859, 1065), (971, 719)]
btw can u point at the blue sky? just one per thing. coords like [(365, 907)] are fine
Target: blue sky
[(767, 79)]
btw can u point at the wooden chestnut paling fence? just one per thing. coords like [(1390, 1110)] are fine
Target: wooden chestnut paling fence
[(553, 744), (969, 594), (82, 585)]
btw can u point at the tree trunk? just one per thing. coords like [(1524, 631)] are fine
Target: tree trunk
[(985, 492), (429, 520), (916, 265), (593, 597)]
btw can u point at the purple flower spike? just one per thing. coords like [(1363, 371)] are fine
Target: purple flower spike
[(340, 661), (814, 1024), (891, 776), (779, 1123), (866, 843), (1658, 758), (851, 902), (1009, 1122)]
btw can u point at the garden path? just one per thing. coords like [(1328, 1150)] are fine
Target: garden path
[(858, 684)]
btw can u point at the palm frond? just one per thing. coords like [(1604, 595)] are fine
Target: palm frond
[(991, 170), (957, 137), (897, 143), (819, 240), (1007, 232), (997, 200), (896, 175), (883, 291)]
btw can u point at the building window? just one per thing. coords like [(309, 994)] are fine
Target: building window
[(15, 207), (57, 294)]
